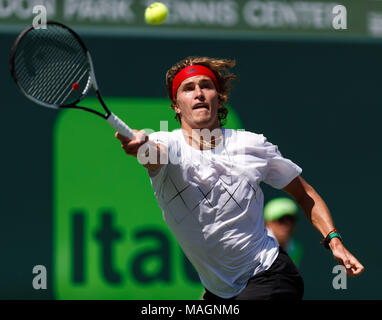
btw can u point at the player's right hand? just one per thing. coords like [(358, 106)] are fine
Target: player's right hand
[(131, 146), (345, 258)]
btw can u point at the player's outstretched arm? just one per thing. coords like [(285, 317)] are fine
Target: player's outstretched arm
[(132, 147), (318, 214)]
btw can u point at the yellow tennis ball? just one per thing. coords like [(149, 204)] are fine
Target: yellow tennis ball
[(156, 13)]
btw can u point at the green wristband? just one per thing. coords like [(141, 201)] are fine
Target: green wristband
[(330, 237)]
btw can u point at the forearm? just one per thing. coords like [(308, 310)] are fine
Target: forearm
[(318, 214), (316, 210), (150, 154), (312, 205)]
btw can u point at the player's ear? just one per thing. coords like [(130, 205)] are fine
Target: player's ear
[(175, 108)]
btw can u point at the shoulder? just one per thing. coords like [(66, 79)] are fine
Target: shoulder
[(164, 137), (246, 137), (163, 134)]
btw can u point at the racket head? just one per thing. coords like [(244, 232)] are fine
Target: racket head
[(52, 67)]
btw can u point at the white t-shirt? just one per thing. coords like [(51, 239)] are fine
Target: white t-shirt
[(212, 202)]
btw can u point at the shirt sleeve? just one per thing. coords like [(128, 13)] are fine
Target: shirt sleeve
[(158, 176), (280, 171)]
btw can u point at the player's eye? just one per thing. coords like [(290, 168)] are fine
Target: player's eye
[(206, 85)]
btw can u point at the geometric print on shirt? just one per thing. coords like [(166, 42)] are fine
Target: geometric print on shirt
[(180, 199)]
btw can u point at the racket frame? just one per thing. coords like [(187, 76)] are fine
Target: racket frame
[(113, 120), (92, 77)]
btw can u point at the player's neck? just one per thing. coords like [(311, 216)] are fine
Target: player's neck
[(203, 138)]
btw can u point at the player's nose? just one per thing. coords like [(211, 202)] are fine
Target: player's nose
[(199, 93)]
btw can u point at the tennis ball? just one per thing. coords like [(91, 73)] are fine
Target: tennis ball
[(156, 13)]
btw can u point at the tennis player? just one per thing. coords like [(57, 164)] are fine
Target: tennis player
[(206, 180)]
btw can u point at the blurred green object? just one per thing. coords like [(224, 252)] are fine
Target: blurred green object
[(279, 207), (295, 251), (276, 209)]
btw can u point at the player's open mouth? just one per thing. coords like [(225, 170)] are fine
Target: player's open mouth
[(200, 106)]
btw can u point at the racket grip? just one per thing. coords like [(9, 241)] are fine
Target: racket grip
[(120, 126)]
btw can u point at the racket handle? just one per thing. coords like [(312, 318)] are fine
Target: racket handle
[(124, 129), (120, 126)]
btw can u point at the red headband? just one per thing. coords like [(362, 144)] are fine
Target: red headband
[(192, 71)]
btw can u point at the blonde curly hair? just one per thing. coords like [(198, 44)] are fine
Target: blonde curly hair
[(219, 67)]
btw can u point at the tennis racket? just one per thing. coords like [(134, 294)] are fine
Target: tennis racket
[(53, 68)]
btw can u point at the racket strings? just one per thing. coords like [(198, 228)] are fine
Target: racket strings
[(48, 62), (72, 73), (70, 90), (51, 78), (36, 83), (66, 84), (71, 68), (42, 78), (26, 71)]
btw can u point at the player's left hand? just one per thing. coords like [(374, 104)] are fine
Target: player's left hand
[(345, 258)]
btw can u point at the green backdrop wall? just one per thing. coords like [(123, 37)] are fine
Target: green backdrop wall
[(320, 102)]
